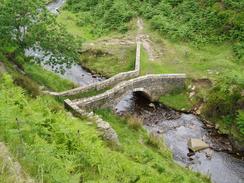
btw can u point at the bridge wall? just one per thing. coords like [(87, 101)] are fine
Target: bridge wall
[(153, 85), (108, 82)]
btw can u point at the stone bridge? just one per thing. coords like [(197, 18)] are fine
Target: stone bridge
[(152, 86)]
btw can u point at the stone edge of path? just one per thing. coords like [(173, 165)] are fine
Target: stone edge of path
[(108, 132), (13, 166), (108, 82)]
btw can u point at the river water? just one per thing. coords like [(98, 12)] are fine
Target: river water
[(176, 129)]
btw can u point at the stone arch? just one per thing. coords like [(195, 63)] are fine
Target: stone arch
[(143, 92)]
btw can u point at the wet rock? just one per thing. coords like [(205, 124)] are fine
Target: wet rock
[(152, 105), (191, 153), (209, 153), (217, 126), (192, 94), (196, 144)]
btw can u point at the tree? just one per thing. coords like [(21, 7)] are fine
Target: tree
[(26, 24)]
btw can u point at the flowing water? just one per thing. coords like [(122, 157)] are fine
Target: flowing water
[(176, 129), (54, 6)]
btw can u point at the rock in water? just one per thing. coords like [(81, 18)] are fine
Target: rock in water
[(196, 144)]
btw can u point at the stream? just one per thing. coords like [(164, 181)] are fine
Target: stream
[(177, 128)]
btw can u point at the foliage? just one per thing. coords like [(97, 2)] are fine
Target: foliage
[(224, 100), (240, 121), (177, 100), (27, 24), (211, 21), (104, 16), (109, 64), (47, 78), (53, 146)]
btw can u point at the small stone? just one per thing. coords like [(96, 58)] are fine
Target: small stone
[(209, 153), (152, 105), (190, 154), (192, 94), (196, 144), (103, 125)]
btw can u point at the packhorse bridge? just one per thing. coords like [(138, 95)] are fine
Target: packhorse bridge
[(152, 86)]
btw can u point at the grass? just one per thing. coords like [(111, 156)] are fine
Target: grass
[(197, 62), (53, 146), (69, 20), (47, 78), (135, 122), (177, 100), (108, 64)]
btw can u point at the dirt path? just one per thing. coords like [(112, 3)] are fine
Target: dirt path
[(12, 167), (147, 43)]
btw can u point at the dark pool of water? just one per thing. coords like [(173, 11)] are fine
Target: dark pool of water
[(177, 128)]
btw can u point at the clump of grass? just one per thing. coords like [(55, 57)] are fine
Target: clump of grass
[(30, 86), (135, 122), (156, 141)]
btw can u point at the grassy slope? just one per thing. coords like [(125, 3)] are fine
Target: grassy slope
[(119, 59), (69, 20), (53, 146), (47, 78), (204, 61)]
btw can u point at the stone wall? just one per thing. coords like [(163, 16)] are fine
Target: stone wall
[(108, 82), (154, 86), (108, 132)]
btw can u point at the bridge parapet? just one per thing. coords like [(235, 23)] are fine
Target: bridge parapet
[(154, 86)]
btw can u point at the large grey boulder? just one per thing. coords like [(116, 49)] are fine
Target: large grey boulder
[(196, 144)]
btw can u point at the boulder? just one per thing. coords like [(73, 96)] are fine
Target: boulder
[(196, 144)]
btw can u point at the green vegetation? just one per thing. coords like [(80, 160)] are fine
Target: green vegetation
[(42, 32), (70, 21), (223, 102), (135, 122), (109, 64), (103, 17), (177, 100), (53, 146), (47, 78)]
